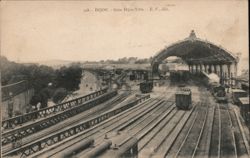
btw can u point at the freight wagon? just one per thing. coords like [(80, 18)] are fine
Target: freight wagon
[(183, 99), (146, 86), (245, 110), (236, 94)]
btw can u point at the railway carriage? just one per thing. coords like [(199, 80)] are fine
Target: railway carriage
[(146, 86)]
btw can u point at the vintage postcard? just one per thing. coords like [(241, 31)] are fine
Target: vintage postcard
[(129, 79)]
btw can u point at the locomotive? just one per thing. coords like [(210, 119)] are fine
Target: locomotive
[(212, 82), (219, 93)]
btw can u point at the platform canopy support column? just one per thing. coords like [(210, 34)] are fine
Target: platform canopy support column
[(209, 69), (221, 74), (200, 68), (215, 69), (236, 69), (192, 69), (235, 72), (155, 70), (189, 68), (229, 74), (218, 70), (205, 66)]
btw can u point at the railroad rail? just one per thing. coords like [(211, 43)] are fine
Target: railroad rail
[(95, 111), (117, 122), (42, 143), (225, 143), (164, 134), (239, 132), (98, 132), (45, 112), (232, 131), (198, 124), (142, 120), (215, 146), (33, 127), (164, 137)]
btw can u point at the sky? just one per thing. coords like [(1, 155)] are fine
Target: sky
[(75, 30)]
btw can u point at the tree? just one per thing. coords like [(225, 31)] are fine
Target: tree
[(69, 77)]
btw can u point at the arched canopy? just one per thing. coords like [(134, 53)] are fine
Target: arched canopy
[(195, 51)]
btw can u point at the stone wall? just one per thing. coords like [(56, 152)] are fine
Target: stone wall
[(20, 103), (19, 98)]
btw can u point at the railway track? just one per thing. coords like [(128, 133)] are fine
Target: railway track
[(142, 125), (162, 139), (216, 134), (214, 150), (160, 108), (71, 122), (22, 120), (192, 140), (191, 145), (230, 141), (207, 130), (59, 138), (202, 150), (32, 127), (108, 126), (211, 127), (243, 149), (195, 138), (228, 145)]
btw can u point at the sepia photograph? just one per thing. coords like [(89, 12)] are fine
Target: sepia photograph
[(124, 79)]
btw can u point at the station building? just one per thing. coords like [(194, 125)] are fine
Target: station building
[(200, 56)]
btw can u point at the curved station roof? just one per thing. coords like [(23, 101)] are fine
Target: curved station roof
[(196, 51)]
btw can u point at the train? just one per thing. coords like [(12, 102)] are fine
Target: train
[(219, 93), (212, 82), (179, 76), (146, 86)]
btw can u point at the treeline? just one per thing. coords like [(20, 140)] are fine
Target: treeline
[(125, 60), (46, 81)]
